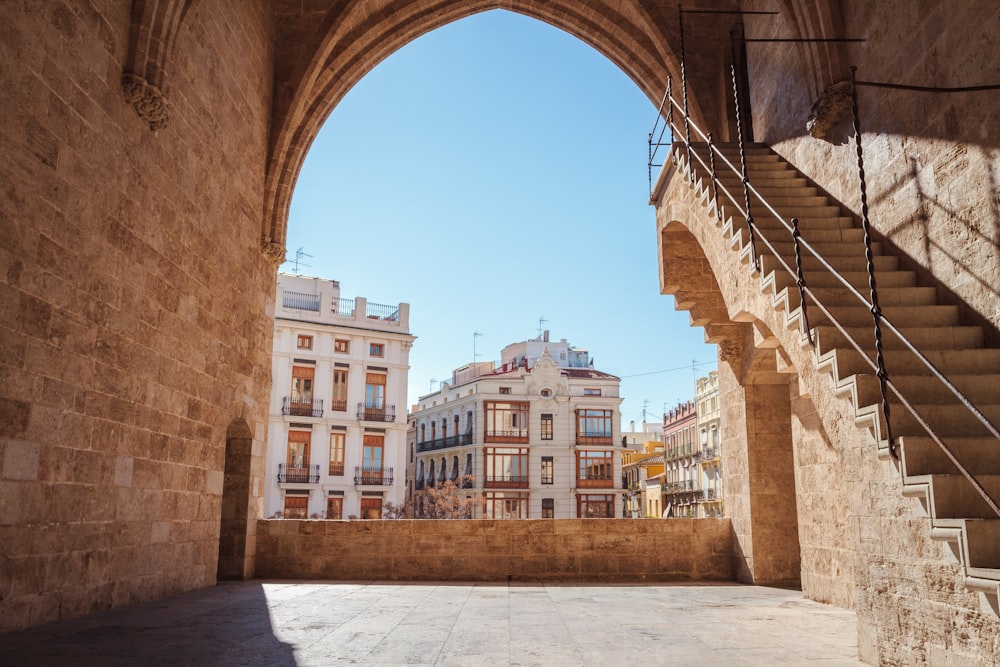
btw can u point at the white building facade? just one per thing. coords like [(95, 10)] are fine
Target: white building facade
[(337, 417), (537, 436)]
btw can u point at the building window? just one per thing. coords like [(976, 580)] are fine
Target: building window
[(548, 470), (591, 392), (300, 403), (371, 507), (342, 346), (297, 457), (339, 402), (506, 422), (505, 504), (375, 391), (595, 469), (548, 508), (546, 427), (371, 468), (296, 506), (504, 390), (304, 342), (337, 453), (593, 427), (376, 350), (335, 507), (506, 467), (593, 506)]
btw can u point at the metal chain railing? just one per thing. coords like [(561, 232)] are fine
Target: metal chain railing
[(807, 294), (876, 309)]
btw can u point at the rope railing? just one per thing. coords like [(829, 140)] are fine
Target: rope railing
[(802, 245)]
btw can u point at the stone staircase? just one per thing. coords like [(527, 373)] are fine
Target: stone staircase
[(958, 514)]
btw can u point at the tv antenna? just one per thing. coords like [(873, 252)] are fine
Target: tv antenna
[(299, 254), (541, 322), (475, 335)]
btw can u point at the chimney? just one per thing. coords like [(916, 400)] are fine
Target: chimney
[(545, 336)]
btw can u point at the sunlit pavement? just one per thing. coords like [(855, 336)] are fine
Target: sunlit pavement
[(334, 623)]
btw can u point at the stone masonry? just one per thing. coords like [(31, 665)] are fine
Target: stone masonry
[(148, 154)]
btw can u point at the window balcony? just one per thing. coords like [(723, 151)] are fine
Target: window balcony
[(338, 405), (445, 443), (365, 476), (505, 482), (708, 453), (306, 475), (507, 437), (418, 485), (301, 408), (376, 413), (592, 439), (336, 469), (595, 483)]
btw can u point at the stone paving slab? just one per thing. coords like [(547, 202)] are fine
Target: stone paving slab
[(336, 623)]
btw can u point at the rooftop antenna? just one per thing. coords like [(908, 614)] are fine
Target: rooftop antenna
[(541, 323), (475, 335), (645, 404), (299, 254)]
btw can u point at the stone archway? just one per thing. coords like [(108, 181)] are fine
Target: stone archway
[(322, 54), (757, 435), (237, 525)]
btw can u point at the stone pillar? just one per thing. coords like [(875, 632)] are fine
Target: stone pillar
[(236, 548), (759, 475)]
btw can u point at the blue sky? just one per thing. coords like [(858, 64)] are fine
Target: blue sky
[(491, 173)]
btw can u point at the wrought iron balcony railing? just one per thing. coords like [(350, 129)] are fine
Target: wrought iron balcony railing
[(304, 475), (297, 407), (376, 413), (506, 482), (444, 443), (365, 476)]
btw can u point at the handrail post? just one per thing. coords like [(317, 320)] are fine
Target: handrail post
[(715, 179), (876, 310), (684, 89), (670, 107), (743, 162), (800, 279)]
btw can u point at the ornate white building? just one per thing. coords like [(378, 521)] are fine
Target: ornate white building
[(537, 436), (337, 419)]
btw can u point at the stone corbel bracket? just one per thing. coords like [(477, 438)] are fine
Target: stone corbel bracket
[(273, 252), (152, 35)]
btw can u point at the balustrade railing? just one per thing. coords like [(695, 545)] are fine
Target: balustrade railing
[(444, 443), (376, 413)]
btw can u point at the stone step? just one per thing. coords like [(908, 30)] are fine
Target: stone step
[(920, 455), (953, 363), (901, 317), (952, 497), (927, 388), (812, 265), (946, 420), (852, 248), (828, 338), (859, 279), (840, 296)]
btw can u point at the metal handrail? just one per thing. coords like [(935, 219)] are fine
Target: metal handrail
[(803, 244)]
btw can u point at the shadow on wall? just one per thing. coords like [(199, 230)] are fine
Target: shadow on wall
[(983, 240), (227, 624)]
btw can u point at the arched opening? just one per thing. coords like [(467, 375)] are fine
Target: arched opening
[(237, 525)]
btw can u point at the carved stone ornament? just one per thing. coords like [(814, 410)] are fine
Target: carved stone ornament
[(829, 110), (274, 253), (147, 100), (730, 351)]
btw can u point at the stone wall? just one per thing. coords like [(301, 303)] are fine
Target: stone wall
[(932, 160), (620, 550), (135, 301)]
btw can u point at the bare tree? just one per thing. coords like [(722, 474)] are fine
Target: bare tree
[(447, 501)]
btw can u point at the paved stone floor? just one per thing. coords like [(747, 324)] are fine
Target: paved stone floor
[(333, 623)]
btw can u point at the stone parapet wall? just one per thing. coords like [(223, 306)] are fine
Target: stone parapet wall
[(619, 550)]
